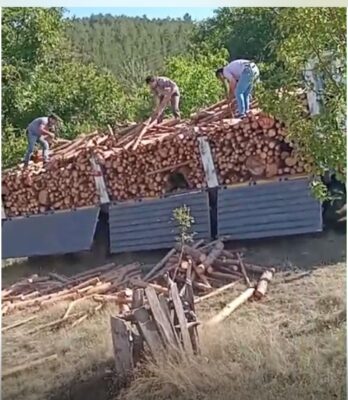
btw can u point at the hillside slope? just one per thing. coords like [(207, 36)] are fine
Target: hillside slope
[(130, 48)]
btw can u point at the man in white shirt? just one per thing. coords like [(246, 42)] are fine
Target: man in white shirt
[(164, 90), (241, 75), (38, 128)]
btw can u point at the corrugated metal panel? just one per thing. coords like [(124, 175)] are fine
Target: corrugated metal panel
[(149, 224), (56, 233), (268, 209)]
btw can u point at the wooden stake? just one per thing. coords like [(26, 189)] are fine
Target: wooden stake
[(242, 267)]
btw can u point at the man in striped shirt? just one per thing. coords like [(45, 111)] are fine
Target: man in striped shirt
[(241, 76), (165, 90)]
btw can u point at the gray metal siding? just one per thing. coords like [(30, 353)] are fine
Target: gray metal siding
[(268, 209), (149, 225), (57, 233)]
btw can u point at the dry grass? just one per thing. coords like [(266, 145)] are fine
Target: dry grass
[(291, 346), (82, 350)]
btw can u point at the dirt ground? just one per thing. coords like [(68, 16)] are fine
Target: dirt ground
[(294, 252), (84, 367)]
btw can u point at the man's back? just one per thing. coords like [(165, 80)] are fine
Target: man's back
[(235, 68), (163, 83), (34, 126)]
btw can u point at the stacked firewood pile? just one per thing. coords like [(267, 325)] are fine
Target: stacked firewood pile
[(162, 316), (102, 284), (149, 160), (66, 183), (208, 267)]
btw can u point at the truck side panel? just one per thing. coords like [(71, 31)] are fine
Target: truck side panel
[(268, 209), (149, 224), (56, 233)]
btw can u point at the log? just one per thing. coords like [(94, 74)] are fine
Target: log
[(144, 285), (242, 267), (253, 148), (31, 364), (216, 292), (232, 306), (262, 285), (159, 265), (214, 254), (18, 323)]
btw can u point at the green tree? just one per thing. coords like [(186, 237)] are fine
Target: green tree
[(195, 76), (41, 74), (317, 34), (245, 32)]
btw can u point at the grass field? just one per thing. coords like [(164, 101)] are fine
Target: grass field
[(289, 346)]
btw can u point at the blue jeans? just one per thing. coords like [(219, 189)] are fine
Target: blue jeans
[(243, 90), (32, 140)]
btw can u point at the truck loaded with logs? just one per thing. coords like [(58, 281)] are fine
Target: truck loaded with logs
[(239, 178)]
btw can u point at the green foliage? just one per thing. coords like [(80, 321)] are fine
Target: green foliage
[(244, 32), (183, 218), (302, 35), (43, 77), (195, 76), (131, 48), (14, 145)]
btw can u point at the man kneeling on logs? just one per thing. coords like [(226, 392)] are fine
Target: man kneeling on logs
[(38, 128), (164, 90)]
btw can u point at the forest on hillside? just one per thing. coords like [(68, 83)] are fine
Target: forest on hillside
[(91, 71), (131, 48)]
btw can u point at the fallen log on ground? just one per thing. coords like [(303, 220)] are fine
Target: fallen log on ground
[(262, 285), (232, 306)]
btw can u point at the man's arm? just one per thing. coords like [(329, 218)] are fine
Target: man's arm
[(232, 87), (44, 131)]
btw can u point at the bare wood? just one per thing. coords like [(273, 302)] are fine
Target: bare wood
[(181, 318), (159, 265), (232, 306), (138, 298), (122, 348), (81, 319), (162, 322), (144, 285), (51, 324), (255, 268), (214, 253), (216, 292), (18, 323), (31, 364), (222, 275), (196, 254), (242, 267), (147, 125), (58, 277), (262, 285), (169, 168), (148, 329), (207, 161)]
